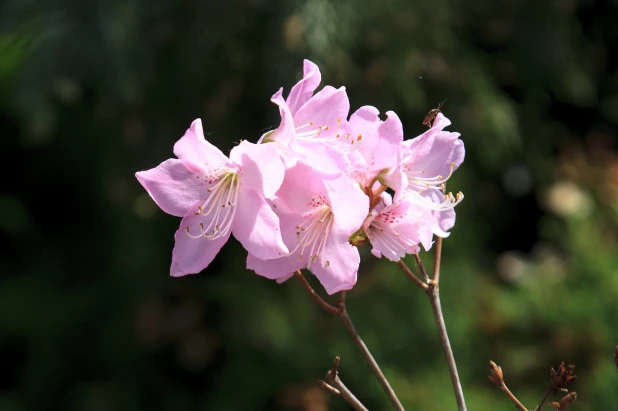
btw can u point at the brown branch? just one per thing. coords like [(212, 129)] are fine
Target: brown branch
[(349, 326), (421, 267), (331, 309), (513, 398), (545, 396), (337, 387), (437, 259), (432, 291), (342, 313), (329, 387), (411, 275), (434, 299), (497, 377)]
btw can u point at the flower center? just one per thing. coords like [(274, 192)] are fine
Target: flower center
[(313, 232), (384, 235), (220, 207)]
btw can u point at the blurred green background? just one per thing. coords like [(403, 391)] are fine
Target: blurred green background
[(93, 91)]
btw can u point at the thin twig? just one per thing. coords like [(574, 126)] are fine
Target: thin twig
[(347, 395), (513, 398), (545, 396), (434, 299), (337, 387), (329, 387), (421, 267), (411, 275), (316, 297), (342, 313), (437, 259), (349, 326), (432, 291)]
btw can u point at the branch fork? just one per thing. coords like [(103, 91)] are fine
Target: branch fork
[(333, 384)]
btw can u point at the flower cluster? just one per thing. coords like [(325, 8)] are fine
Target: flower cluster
[(310, 191)]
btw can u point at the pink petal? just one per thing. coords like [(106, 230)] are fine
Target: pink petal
[(391, 129), (192, 255), (256, 226), (348, 203), (262, 169), (394, 231), (343, 260), (447, 148), (197, 154), (441, 121), (398, 181), (435, 150), (323, 157), (328, 108), (418, 147), (285, 132), (365, 122), (294, 191), (174, 188), (440, 221), (286, 265), (278, 268), (380, 141), (283, 279), (303, 90)]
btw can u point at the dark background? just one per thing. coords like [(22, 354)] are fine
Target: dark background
[(93, 91)]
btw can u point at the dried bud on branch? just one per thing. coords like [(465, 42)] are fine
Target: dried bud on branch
[(495, 373), (565, 402), (561, 377)]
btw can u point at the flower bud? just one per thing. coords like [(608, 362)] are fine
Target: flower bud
[(567, 401), (561, 377), (495, 374)]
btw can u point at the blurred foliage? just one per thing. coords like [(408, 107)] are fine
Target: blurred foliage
[(91, 92)]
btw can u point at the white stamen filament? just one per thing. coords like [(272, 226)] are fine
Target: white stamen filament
[(449, 202), (418, 185), (313, 233), (429, 182), (345, 143), (222, 202)]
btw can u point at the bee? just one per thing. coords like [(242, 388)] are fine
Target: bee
[(431, 116)]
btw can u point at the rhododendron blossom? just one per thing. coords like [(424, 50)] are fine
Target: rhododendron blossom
[(397, 229), (311, 128), (425, 164), (217, 196), (312, 190), (317, 218), (379, 143)]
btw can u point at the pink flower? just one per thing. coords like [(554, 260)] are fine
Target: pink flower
[(378, 144), (218, 196), (317, 218), (311, 125), (397, 229), (425, 165)]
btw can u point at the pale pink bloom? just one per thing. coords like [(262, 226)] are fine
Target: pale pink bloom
[(378, 143), (395, 230), (425, 165), (317, 218), (311, 128), (218, 196)]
